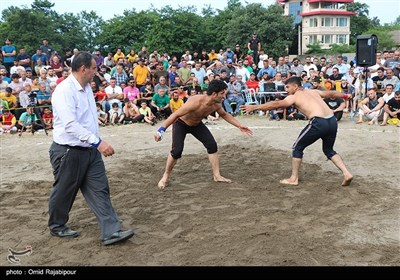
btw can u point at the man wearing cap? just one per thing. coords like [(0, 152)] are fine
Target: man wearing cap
[(230, 70), (255, 45)]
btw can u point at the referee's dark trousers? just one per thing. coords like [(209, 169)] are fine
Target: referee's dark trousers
[(81, 168)]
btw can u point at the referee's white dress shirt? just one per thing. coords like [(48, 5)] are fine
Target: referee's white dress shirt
[(75, 114)]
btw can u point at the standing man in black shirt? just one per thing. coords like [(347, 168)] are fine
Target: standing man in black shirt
[(255, 45)]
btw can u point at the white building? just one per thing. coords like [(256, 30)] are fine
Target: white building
[(322, 21)]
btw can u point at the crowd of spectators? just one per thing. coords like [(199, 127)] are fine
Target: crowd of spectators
[(148, 86)]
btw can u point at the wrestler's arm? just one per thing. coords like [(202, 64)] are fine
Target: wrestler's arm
[(333, 94), (289, 100)]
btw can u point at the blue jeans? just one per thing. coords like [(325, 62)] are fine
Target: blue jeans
[(233, 98)]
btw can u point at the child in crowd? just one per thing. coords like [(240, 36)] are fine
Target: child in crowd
[(101, 115), (116, 114), (101, 95), (7, 122), (47, 118), (146, 112)]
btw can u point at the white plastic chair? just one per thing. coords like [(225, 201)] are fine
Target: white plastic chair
[(250, 97)]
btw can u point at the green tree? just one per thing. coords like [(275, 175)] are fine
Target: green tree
[(127, 31), (71, 32), (91, 25), (43, 6), (27, 27), (385, 39), (176, 30), (396, 21), (360, 22), (274, 30), (334, 48)]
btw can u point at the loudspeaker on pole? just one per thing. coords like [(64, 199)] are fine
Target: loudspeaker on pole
[(366, 50)]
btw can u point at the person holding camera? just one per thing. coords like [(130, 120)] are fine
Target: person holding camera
[(28, 121)]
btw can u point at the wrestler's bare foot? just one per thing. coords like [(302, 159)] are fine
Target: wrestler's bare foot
[(289, 181), (222, 179), (163, 183), (358, 122), (347, 180), (383, 124), (370, 122)]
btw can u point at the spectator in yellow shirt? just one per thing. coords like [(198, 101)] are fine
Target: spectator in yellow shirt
[(175, 102), (119, 54)]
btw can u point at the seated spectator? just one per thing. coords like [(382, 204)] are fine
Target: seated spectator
[(116, 114), (10, 98), (146, 93), (131, 112), (28, 121), (114, 95), (160, 103), (101, 95), (252, 83), (7, 122), (131, 92), (3, 105), (147, 113), (389, 93), (175, 103), (234, 95), (182, 93), (3, 83), (392, 111), (43, 96), (293, 114), (47, 118), (162, 83), (305, 82), (102, 117), (370, 107), (337, 106), (15, 84)]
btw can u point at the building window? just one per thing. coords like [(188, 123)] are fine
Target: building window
[(327, 21), (341, 39), (327, 39), (341, 22), (313, 22), (312, 39), (329, 5)]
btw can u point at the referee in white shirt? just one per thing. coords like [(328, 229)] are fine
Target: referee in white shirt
[(75, 155)]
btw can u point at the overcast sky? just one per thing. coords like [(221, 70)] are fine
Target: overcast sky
[(385, 10)]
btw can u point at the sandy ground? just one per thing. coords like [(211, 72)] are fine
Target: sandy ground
[(253, 221)]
